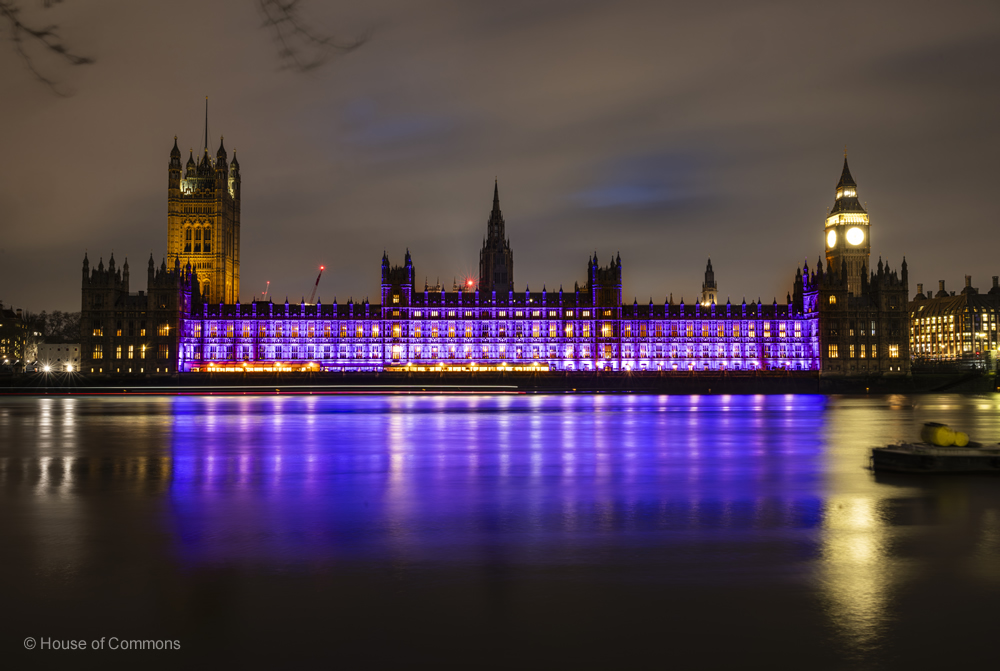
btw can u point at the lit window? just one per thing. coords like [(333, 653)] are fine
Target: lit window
[(893, 351), (98, 351), (833, 300), (832, 351)]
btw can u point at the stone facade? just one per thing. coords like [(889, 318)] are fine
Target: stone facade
[(121, 332), (203, 221)]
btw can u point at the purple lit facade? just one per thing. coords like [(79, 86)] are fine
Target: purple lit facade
[(585, 329)]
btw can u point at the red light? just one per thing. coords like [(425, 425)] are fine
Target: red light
[(322, 267), (469, 283)]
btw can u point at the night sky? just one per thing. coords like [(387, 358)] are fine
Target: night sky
[(668, 132)]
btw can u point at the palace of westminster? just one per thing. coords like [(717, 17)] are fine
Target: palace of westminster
[(840, 318)]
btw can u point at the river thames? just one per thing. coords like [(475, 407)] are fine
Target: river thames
[(545, 531)]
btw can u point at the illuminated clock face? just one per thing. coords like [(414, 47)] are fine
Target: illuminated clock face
[(855, 236), (831, 239)]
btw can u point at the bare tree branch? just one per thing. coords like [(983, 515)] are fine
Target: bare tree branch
[(299, 47), (24, 36)]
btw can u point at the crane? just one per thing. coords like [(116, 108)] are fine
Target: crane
[(312, 296), (266, 289)]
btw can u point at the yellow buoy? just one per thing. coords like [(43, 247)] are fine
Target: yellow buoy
[(961, 439), (938, 434)]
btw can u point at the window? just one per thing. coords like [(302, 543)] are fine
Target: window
[(721, 331), (863, 348), (736, 330), (395, 300), (798, 329), (586, 330), (850, 351), (874, 352), (781, 330), (343, 331), (552, 330), (831, 351), (374, 330), (98, 351), (416, 331), (118, 352), (627, 330), (131, 351), (163, 330), (161, 352), (893, 351), (434, 331), (569, 330), (359, 331), (395, 334), (468, 331), (451, 330), (833, 300), (606, 330)]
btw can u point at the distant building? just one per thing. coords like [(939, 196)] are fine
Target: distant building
[(13, 338), (60, 356), (955, 328), (863, 321)]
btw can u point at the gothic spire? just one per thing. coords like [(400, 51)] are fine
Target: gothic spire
[(847, 193), (845, 176)]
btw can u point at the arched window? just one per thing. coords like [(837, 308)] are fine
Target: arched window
[(833, 300)]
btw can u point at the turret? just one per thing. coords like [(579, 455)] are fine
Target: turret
[(174, 168)]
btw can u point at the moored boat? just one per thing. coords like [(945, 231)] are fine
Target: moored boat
[(927, 458)]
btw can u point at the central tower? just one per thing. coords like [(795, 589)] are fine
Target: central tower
[(203, 220), (496, 261), (848, 245)]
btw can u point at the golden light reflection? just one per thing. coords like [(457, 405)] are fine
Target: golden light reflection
[(856, 575)]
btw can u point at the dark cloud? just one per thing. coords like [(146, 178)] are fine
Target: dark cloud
[(668, 132)]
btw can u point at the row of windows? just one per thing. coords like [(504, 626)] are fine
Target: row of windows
[(863, 351), (162, 330), (132, 352)]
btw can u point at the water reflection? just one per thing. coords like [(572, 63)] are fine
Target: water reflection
[(430, 478), (727, 493)]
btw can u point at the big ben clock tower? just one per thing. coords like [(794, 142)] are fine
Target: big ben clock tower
[(847, 233)]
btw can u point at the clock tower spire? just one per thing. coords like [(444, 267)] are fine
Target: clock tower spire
[(848, 245)]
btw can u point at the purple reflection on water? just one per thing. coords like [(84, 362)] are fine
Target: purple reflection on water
[(525, 480)]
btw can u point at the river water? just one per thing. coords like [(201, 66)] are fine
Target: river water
[(547, 531)]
